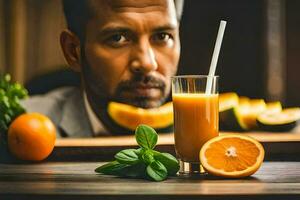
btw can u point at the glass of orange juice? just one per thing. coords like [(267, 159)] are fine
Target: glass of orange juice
[(196, 118)]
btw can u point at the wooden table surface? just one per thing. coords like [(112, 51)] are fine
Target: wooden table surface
[(70, 179), (278, 146), (77, 180), (168, 139)]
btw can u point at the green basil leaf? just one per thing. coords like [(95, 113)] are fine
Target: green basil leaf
[(128, 156), (157, 171), (111, 168), (124, 170), (169, 161), (133, 171), (146, 136), (147, 156)]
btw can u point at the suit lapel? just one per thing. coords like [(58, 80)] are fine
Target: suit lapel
[(74, 121)]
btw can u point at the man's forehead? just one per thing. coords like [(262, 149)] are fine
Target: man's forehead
[(139, 3), (119, 5)]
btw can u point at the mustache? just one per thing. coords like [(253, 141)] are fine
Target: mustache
[(148, 81)]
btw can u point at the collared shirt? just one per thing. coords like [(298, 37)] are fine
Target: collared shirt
[(97, 126)]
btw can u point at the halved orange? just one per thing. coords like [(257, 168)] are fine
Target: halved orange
[(232, 156)]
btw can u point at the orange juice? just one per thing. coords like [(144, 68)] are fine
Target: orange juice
[(196, 119)]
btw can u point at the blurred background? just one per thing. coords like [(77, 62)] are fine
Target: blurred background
[(259, 58)]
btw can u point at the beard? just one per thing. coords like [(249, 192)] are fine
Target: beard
[(145, 91), (142, 90)]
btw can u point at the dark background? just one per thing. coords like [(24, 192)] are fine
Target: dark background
[(240, 65), (293, 52), (243, 56)]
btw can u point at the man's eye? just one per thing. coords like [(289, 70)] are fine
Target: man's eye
[(117, 40), (162, 37)]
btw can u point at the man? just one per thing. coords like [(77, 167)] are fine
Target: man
[(124, 50)]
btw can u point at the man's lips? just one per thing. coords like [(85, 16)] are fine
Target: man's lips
[(143, 91), (144, 86), (147, 92)]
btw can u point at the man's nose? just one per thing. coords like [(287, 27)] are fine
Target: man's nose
[(143, 59)]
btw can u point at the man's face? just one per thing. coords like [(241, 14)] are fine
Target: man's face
[(131, 50)]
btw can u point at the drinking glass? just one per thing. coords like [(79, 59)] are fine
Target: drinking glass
[(196, 117)]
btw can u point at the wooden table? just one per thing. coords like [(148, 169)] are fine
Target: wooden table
[(278, 146), (77, 180), (73, 177)]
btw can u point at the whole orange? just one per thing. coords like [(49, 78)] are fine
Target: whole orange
[(31, 136)]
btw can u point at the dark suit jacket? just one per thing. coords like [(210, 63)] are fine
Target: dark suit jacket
[(65, 107)]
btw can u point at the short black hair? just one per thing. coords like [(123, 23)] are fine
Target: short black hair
[(77, 13)]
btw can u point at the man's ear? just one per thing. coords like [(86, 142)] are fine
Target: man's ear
[(70, 45)]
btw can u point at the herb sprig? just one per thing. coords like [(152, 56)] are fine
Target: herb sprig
[(10, 107), (144, 162)]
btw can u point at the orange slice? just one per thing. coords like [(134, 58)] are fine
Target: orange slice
[(130, 116), (250, 110), (232, 156)]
